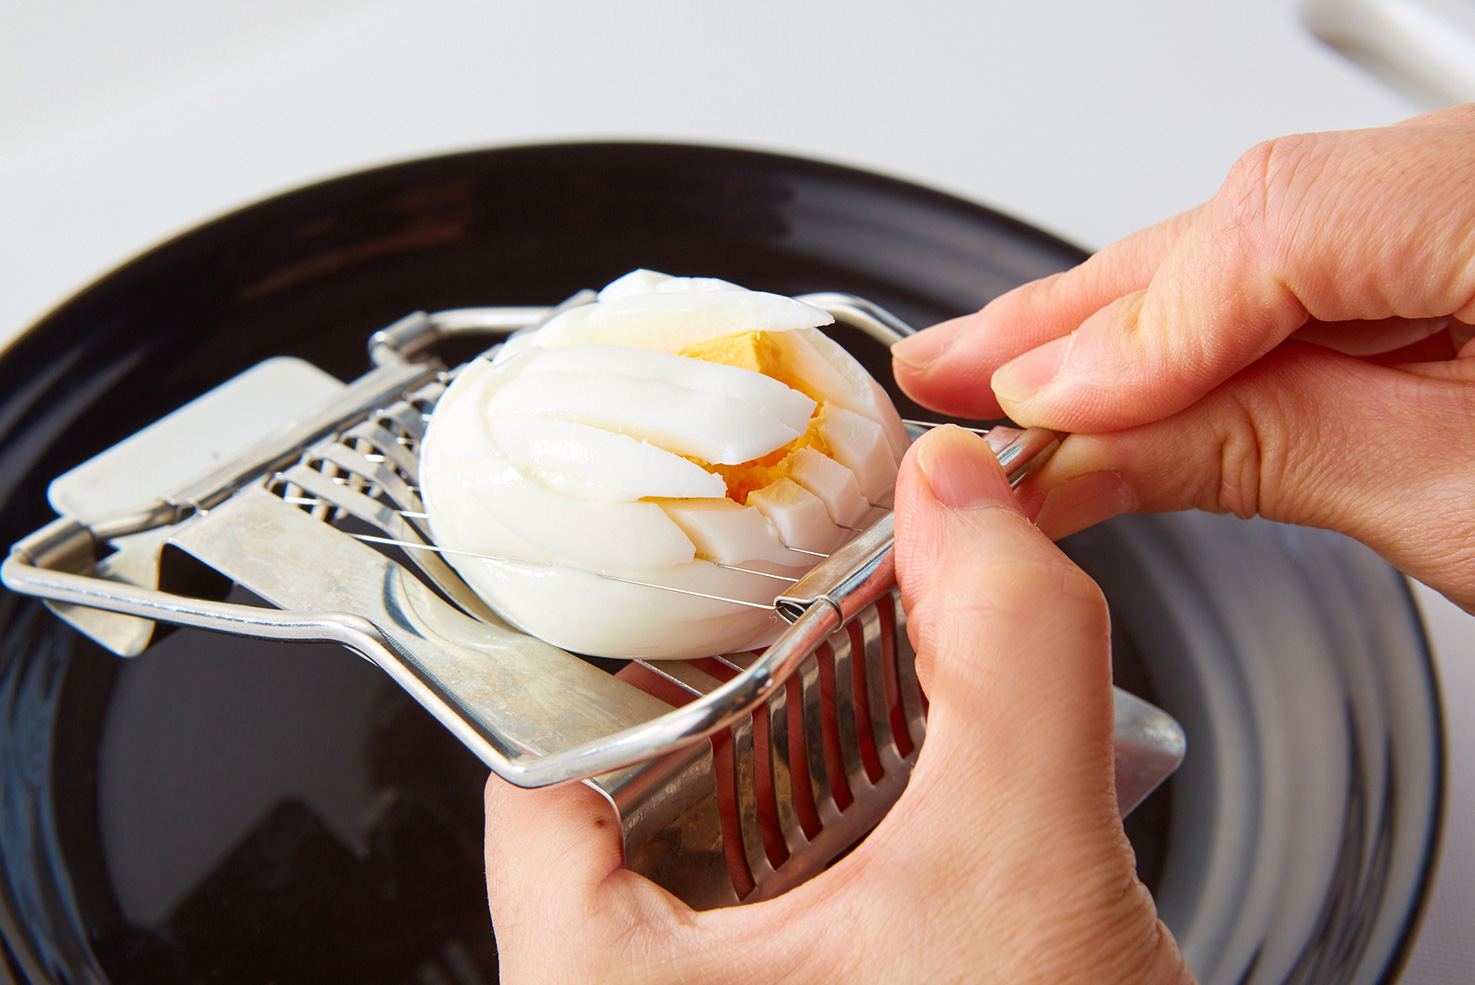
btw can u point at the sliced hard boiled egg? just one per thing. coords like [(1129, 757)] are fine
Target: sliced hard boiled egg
[(676, 432), (653, 311)]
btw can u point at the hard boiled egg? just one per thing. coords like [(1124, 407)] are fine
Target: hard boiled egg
[(679, 432)]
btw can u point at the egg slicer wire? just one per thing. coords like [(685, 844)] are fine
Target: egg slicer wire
[(302, 491)]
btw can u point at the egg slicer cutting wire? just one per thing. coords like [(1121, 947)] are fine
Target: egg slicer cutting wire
[(260, 491), (1019, 453)]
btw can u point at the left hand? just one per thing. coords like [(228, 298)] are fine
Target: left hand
[(1004, 860)]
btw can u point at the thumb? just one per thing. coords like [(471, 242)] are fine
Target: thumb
[(557, 887), (1010, 814), (1304, 436), (977, 582)]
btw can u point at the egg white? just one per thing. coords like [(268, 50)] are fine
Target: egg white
[(565, 461)]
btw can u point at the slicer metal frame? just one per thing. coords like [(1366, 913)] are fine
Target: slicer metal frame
[(833, 705)]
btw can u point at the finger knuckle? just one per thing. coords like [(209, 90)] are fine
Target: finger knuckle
[(1265, 195), (1054, 289), (1237, 490), (1253, 451)]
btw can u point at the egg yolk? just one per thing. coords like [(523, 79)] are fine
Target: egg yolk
[(761, 353)]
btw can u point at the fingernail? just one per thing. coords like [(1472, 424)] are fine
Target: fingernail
[(1021, 379), (917, 351), (1082, 501), (960, 470)]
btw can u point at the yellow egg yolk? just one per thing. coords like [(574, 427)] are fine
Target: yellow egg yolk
[(759, 352)]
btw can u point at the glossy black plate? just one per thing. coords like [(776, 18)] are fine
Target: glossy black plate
[(222, 810)]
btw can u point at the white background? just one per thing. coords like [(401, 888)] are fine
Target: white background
[(124, 123)]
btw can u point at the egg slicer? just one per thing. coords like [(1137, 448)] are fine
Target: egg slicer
[(284, 505)]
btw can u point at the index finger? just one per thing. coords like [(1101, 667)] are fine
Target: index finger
[(948, 366), (1337, 226)]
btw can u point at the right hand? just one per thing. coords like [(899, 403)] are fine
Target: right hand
[(1299, 347), (1021, 874)]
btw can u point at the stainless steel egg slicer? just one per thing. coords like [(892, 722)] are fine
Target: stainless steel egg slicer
[(302, 491)]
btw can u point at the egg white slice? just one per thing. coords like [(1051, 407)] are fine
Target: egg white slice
[(725, 532), (590, 534), (707, 426), (798, 515), (644, 281), (834, 373), (859, 444), (772, 396), (591, 463), (590, 612), (622, 620), (670, 322), (834, 485)]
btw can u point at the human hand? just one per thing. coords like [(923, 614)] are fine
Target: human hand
[(1020, 874), (1299, 347)]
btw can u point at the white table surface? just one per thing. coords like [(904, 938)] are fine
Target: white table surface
[(122, 124)]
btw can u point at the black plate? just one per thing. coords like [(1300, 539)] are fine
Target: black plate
[(224, 810)]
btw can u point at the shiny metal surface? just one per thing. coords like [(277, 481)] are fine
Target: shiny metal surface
[(269, 520)]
